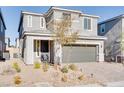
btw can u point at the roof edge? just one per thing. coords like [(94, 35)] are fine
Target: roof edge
[(32, 13), (110, 19), (90, 15), (1, 15)]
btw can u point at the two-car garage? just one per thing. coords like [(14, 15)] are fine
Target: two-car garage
[(79, 53)]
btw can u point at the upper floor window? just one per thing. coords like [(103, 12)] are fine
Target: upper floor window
[(29, 21), (87, 23), (41, 22), (102, 28), (66, 16)]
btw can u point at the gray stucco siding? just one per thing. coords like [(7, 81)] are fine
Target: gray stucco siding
[(78, 23), (93, 31), (108, 26), (35, 23), (113, 32)]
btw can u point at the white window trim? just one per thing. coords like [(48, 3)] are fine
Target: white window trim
[(36, 52), (29, 21), (41, 18), (91, 23), (38, 49)]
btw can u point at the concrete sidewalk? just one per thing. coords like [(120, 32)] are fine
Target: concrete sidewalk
[(115, 84), (108, 84)]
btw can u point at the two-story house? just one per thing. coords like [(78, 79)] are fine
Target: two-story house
[(37, 42), (113, 29), (2, 35)]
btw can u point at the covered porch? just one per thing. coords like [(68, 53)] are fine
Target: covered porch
[(43, 50), (37, 48)]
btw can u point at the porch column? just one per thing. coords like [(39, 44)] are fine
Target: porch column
[(29, 50), (57, 53), (101, 52)]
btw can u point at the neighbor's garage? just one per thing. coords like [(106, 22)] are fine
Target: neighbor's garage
[(79, 53)]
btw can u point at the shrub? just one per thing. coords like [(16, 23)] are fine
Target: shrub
[(37, 65), (45, 67), (17, 80), (73, 67), (81, 77), (64, 69), (16, 67), (64, 78)]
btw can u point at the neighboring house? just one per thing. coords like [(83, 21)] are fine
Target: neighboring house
[(11, 50), (37, 42), (6, 53), (2, 35), (17, 42), (112, 29), (7, 41)]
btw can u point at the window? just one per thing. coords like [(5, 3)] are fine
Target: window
[(66, 16), (29, 21), (41, 22), (102, 28), (87, 23)]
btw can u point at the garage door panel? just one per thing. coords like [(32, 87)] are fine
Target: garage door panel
[(79, 53)]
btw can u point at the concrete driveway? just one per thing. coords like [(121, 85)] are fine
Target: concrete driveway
[(103, 72)]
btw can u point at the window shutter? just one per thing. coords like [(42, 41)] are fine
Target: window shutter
[(85, 23)]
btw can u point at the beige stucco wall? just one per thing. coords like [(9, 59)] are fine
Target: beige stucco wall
[(12, 51)]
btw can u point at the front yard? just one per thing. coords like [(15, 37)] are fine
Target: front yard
[(85, 73)]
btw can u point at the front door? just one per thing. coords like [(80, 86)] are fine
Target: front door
[(45, 50), (42, 50)]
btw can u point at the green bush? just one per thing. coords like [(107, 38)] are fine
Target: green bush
[(73, 67), (64, 69), (16, 67), (37, 65)]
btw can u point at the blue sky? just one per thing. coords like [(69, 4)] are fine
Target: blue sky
[(12, 14)]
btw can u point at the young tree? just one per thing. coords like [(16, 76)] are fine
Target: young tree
[(64, 34)]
